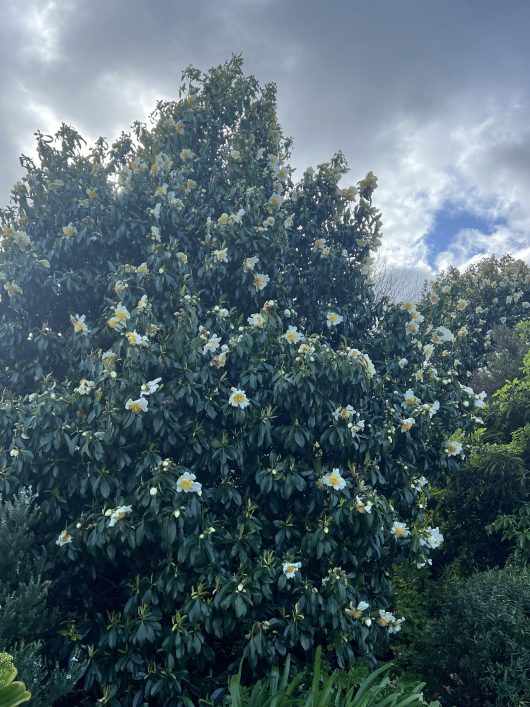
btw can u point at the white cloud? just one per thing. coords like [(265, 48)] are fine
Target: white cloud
[(440, 118)]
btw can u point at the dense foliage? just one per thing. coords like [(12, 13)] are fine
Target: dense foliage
[(482, 637), (232, 442), (27, 621)]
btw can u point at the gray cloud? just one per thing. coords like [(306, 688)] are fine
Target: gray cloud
[(431, 95)]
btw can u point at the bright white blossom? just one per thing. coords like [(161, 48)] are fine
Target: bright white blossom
[(291, 568), (64, 538), (407, 424), (150, 387), (399, 530), (119, 513), (355, 612), (410, 399), (187, 484), (238, 398), (69, 231), (344, 413), (333, 319), (442, 334), (79, 324), (432, 538), (256, 320), (250, 263), (212, 344), (221, 255), (452, 447), (136, 406), (362, 506), (85, 387), (334, 479), (136, 339), (292, 335), (260, 281)]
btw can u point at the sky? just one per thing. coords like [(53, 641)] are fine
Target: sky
[(433, 96)]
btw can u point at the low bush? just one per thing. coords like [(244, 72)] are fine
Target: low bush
[(482, 638)]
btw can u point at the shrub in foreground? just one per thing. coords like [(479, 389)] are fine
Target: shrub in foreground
[(339, 688)]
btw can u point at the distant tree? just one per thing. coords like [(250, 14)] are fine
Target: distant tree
[(491, 293)]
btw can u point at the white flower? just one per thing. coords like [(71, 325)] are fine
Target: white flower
[(250, 263), (412, 327), (85, 387), (442, 334), (333, 319), (238, 398), (212, 344), (291, 568), (221, 255), (385, 618), (407, 424), (150, 387), (187, 484), (399, 530), (402, 362), (362, 506), (432, 538), (408, 306), (143, 302), (153, 491), (345, 413), (135, 339), (356, 612), (452, 447), (428, 351), (64, 538), (78, 322), (118, 514), (433, 409), (292, 335), (69, 231), (462, 304), (335, 480), (186, 154), (410, 399), (260, 281), (136, 406), (257, 320)]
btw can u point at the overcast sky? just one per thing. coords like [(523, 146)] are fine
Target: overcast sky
[(432, 95)]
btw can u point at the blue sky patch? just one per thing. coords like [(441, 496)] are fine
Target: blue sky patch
[(449, 221)]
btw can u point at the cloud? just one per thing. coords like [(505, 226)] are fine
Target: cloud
[(433, 97)]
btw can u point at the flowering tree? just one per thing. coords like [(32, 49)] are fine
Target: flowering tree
[(231, 442), (493, 292)]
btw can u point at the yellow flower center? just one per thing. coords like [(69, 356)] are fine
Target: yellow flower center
[(186, 484), (239, 398), (135, 407)]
